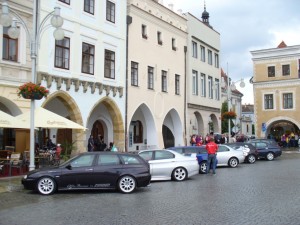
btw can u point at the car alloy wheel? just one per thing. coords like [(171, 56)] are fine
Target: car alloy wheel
[(203, 167), (233, 162), (46, 186), (179, 174), (127, 184), (251, 159), (270, 156)]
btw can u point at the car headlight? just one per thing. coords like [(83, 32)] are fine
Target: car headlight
[(25, 177)]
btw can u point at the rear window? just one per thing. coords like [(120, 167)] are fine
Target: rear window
[(105, 160), (163, 155), (130, 160)]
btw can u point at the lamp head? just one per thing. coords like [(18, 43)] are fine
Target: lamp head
[(5, 18), (242, 84)]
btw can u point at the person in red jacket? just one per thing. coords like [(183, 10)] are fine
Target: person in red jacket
[(212, 149)]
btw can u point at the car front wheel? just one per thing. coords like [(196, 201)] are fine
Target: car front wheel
[(179, 174), (127, 184), (233, 162), (270, 156), (251, 159), (46, 186), (203, 167)]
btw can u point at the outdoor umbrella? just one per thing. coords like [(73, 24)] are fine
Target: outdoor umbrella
[(8, 121), (44, 118)]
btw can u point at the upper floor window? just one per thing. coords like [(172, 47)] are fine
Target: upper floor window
[(164, 81), (109, 65), (89, 6), (268, 101), (88, 55), (65, 1), (203, 85), (159, 38), (134, 73), (9, 47), (177, 84), (209, 57), (144, 31), (285, 70), (194, 50), (210, 87), (110, 11), (174, 44), (195, 83), (217, 88), (216, 60), (202, 50), (271, 71), (288, 100), (62, 53), (150, 78)]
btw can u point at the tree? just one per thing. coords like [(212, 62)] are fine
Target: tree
[(224, 123)]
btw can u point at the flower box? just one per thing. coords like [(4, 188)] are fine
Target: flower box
[(32, 91), (229, 115)]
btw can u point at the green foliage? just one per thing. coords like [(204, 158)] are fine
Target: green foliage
[(67, 148)]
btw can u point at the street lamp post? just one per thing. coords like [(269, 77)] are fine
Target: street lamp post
[(13, 32), (231, 87)]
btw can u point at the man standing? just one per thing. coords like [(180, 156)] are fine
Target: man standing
[(211, 148)]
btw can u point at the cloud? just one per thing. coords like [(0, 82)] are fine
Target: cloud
[(245, 26)]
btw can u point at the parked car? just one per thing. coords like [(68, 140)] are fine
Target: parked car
[(169, 165), (194, 151), (226, 156), (252, 153), (270, 141), (92, 170), (266, 150)]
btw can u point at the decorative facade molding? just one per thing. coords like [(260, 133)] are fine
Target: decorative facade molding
[(77, 83), (205, 108)]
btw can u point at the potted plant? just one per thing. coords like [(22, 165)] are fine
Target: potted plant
[(32, 91), (229, 115)]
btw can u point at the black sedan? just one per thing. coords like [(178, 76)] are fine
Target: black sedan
[(92, 170)]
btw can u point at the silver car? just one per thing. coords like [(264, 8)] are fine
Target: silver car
[(170, 165), (228, 156)]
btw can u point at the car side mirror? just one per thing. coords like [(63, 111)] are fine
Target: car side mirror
[(69, 167)]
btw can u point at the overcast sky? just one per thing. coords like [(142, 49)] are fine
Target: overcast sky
[(244, 26)]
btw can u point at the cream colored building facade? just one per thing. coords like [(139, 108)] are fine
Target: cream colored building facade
[(156, 76), (203, 77), (276, 84)]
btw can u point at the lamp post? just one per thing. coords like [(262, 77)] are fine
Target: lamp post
[(231, 87), (34, 37)]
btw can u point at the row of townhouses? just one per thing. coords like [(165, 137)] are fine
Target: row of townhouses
[(135, 72)]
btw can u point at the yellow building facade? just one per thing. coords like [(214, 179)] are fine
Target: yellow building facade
[(276, 87)]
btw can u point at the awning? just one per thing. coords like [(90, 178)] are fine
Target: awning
[(8, 121), (44, 118)]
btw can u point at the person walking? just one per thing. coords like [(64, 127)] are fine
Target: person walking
[(212, 149)]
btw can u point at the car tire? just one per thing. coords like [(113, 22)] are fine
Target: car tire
[(46, 186), (233, 162), (203, 167), (251, 159), (179, 174), (270, 156), (127, 184)]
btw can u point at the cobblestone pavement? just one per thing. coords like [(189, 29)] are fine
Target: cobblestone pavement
[(264, 193)]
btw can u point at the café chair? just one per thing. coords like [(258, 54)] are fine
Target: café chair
[(16, 162)]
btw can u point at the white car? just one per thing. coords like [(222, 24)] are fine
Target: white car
[(170, 165), (228, 156)]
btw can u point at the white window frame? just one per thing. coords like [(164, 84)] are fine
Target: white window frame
[(195, 82)]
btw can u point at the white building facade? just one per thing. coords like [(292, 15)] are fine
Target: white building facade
[(203, 77), (84, 73)]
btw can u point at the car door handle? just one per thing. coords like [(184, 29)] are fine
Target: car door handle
[(89, 170)]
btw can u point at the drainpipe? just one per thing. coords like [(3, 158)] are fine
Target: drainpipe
[(128, 22), (185, 101)]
